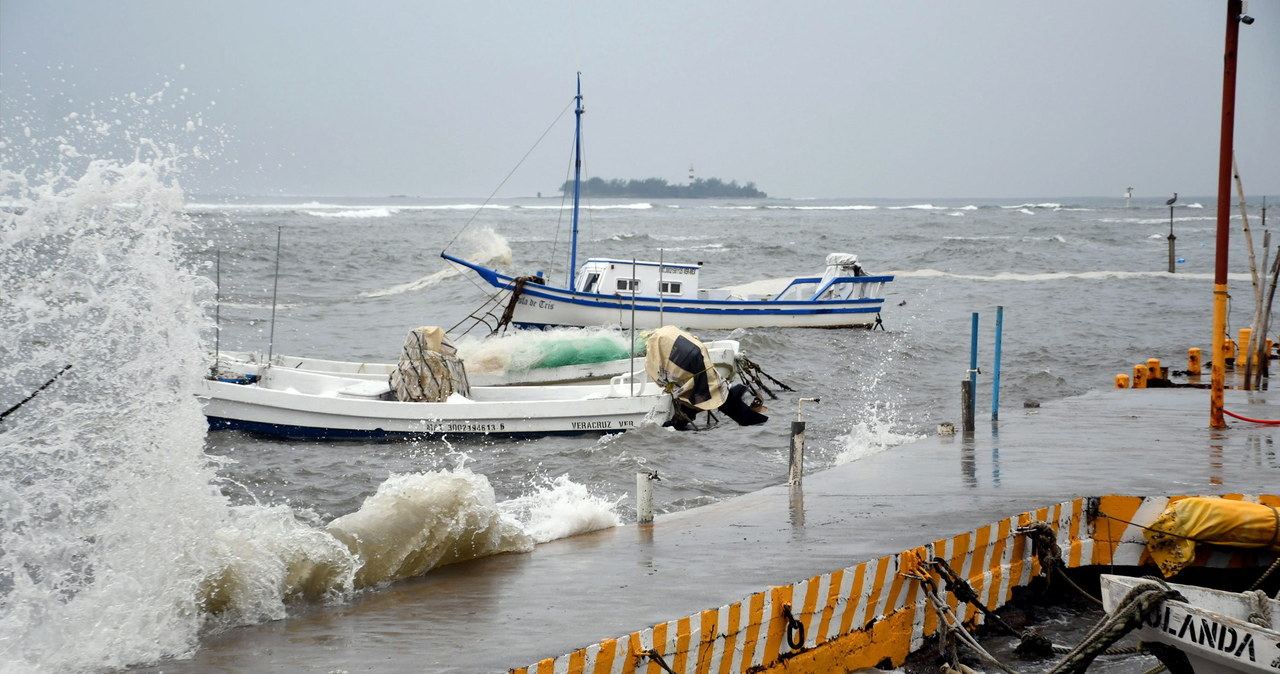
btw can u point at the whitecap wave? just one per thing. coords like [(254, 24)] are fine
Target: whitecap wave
[(359, 213)]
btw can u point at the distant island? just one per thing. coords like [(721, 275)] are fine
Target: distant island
[(657, 188)]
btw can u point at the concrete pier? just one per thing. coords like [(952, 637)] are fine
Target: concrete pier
[(512, 611)]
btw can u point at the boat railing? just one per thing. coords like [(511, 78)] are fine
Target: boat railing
[(814, 289)]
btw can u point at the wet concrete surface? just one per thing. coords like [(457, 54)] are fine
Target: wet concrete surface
[(510, 611)]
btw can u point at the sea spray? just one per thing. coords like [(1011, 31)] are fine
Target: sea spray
[(561, 508), (876, 426), (486, 247), (417, 522)]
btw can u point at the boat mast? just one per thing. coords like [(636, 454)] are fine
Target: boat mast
[(577, 185), (1225, 153)]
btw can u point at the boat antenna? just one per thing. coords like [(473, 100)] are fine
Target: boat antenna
[(275, 287), (577, 184), (217, 311)]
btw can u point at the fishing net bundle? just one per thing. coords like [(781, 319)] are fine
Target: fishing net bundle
[(429, 369)]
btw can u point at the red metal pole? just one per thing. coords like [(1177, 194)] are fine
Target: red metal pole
[(1225, 150)]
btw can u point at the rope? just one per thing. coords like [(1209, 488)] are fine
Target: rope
[(953, 626), (1270, 570), (33, 393), (508, 176), (1255, 421), (1259, 608), (1128, 614), (1044, 545), (656, 657), (965, 592)]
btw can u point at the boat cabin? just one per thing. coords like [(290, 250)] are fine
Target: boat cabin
[(644, 279)]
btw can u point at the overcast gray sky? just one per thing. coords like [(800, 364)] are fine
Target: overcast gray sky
[(933, 98)]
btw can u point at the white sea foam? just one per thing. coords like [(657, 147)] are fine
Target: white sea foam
[(418, 522), (1058, 276), (561, 509), (359, 213), (486, 247), (117, 543)]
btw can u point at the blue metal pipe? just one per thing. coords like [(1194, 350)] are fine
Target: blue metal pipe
[(995, 369)]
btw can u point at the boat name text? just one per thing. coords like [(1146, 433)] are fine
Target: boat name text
[(1204, 632), (536, 303)]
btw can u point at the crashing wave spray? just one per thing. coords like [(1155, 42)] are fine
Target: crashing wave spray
[(117, 544), (875, 429)]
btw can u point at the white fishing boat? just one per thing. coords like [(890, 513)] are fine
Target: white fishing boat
[(648, 294), (427, 394), (723, 355), (300, 404), (1212, 628)]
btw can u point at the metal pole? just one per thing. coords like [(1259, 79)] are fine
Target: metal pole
[(217, 311), (973, 348), (995, 369), (973, 369), (966, 405), (795, 474), (1226, 144), (1172, 239), (577, 185), (275, 287), (644, 497)]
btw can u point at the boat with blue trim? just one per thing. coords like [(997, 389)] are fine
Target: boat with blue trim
[(647, 294)]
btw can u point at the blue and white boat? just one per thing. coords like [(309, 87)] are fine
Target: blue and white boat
[(646, 295)]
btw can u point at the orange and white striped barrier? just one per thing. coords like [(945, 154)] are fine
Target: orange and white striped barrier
[(876, 612)]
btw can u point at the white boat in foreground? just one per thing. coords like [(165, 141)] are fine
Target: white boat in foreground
[(300, 404), (646, 294), (427, 394), (1211, 627)]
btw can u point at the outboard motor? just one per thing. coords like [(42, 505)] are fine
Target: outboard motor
[(743, 406), (679, 362)]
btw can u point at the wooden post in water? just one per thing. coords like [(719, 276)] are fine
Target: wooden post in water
[(795, 472), (966, 406), (1226, 143)]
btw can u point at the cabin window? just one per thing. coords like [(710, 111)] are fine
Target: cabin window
[(669, 287), (590, 285), (628, 285)]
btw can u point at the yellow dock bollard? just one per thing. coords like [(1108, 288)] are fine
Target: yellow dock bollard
[(1153, 369), (1193, 361), (1243, 357), (1229, 353), (1140, 376), (1122, 381)]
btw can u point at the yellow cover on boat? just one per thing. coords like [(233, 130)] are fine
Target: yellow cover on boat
[(678, 362), (1172, 537)]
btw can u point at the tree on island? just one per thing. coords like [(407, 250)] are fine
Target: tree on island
[(657, 188)]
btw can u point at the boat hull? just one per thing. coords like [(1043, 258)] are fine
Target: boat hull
[(542, 306), (517, 411), (1210, 628)]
